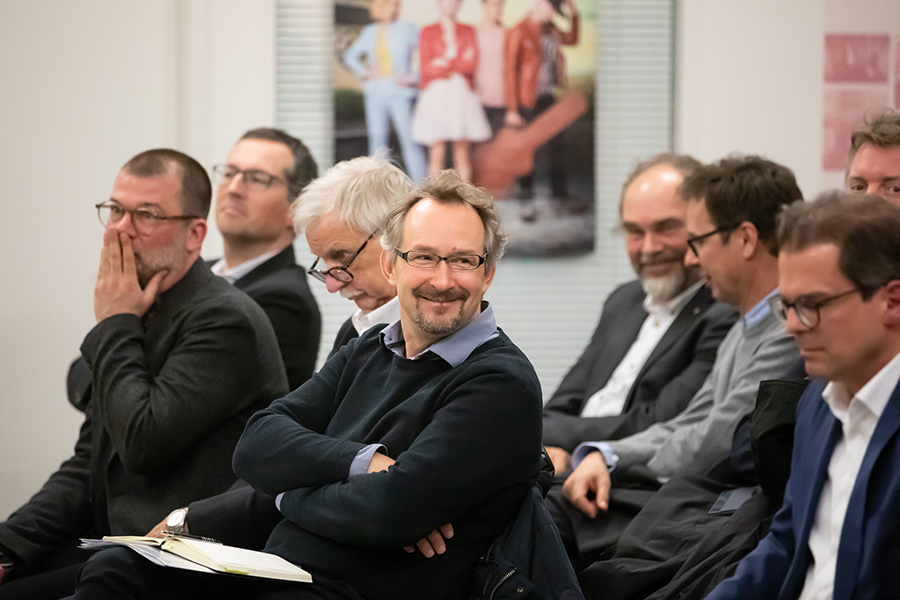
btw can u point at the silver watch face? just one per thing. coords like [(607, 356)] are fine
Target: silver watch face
[(175, 520)]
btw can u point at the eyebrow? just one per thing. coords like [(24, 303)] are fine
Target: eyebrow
[(657, 224), (139, 206)]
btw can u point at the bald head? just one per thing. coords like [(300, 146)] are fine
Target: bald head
[(653, 219)]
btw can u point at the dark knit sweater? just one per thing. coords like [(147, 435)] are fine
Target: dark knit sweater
[(466, 441)]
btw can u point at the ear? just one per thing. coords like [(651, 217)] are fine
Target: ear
[(891, 293), (196, 234), (488, 278), (750, 241), (387, 266)]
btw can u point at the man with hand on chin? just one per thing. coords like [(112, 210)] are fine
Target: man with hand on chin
[(179, 360)]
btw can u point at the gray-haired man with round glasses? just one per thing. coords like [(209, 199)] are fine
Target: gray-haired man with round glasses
[(341, 214)]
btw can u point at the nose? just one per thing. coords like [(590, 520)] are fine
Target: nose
[(125, 225), (651, 243), (690, 259), (873, 188), (236, 183), (792, 323), (333, 285), (442, 276)]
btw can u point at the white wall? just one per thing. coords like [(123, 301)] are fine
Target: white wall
[(749, 79), (88, 83), (85, 85)]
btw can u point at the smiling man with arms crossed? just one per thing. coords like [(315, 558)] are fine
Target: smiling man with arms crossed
[(384, 445)]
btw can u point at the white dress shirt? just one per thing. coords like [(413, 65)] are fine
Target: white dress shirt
[(858, 416), (386, 313), (234, 273), (610, 400)]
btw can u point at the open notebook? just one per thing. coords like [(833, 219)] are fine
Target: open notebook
[(205, 556)]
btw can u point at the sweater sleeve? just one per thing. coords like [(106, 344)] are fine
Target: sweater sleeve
[(277, 453), (702, 434), (443, 474)]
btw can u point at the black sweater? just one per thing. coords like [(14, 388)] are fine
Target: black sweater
[(466, 441)]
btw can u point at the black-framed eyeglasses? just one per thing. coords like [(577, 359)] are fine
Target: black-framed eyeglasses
[(805, 307), (144, 220), (427, 260), (695, 241), (341, 273), (256, 180)]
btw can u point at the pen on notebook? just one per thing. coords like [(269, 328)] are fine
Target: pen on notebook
[(171, 534)]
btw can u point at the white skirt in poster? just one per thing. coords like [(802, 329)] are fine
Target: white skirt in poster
[(449, 110)]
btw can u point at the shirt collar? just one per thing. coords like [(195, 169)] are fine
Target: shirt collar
[(673, 306), (456, 347), (874, 394), (386, 313), (760, 311), (234, 273)]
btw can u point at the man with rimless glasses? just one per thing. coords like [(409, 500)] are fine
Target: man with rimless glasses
[(836, 535), (264, 173), (382, 451), (178, 362)]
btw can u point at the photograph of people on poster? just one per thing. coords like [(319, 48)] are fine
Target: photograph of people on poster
[(500, 90)]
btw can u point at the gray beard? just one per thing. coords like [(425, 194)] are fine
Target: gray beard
[(662, 289), (445, 327)]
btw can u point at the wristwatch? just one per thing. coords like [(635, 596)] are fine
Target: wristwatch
[(176, 522)]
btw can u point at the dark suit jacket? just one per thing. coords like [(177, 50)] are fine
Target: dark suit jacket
[(672, 375), (170, 396), (869, 549), (279, 287)]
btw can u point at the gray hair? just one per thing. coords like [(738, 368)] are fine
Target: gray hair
[(447, 187), (360, 191)]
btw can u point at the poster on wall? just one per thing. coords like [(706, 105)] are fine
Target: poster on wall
[(862, 71), (500, 90)]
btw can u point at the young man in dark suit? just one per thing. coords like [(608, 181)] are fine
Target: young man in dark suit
[(836, 533), (179, 360), (265, 172), (657, 337)]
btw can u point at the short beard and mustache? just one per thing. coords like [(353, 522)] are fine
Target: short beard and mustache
[(447, 325), (662, 289)]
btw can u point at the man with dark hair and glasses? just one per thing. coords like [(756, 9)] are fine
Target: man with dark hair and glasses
[(263, 175), (836, 535), (400, 461), (739, 263), (657, 337), (178, 361)]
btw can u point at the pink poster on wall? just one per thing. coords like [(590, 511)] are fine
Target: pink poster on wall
[(858, 81)]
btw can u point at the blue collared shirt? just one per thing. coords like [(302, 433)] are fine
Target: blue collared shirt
[(759, 312), (456, 347)]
